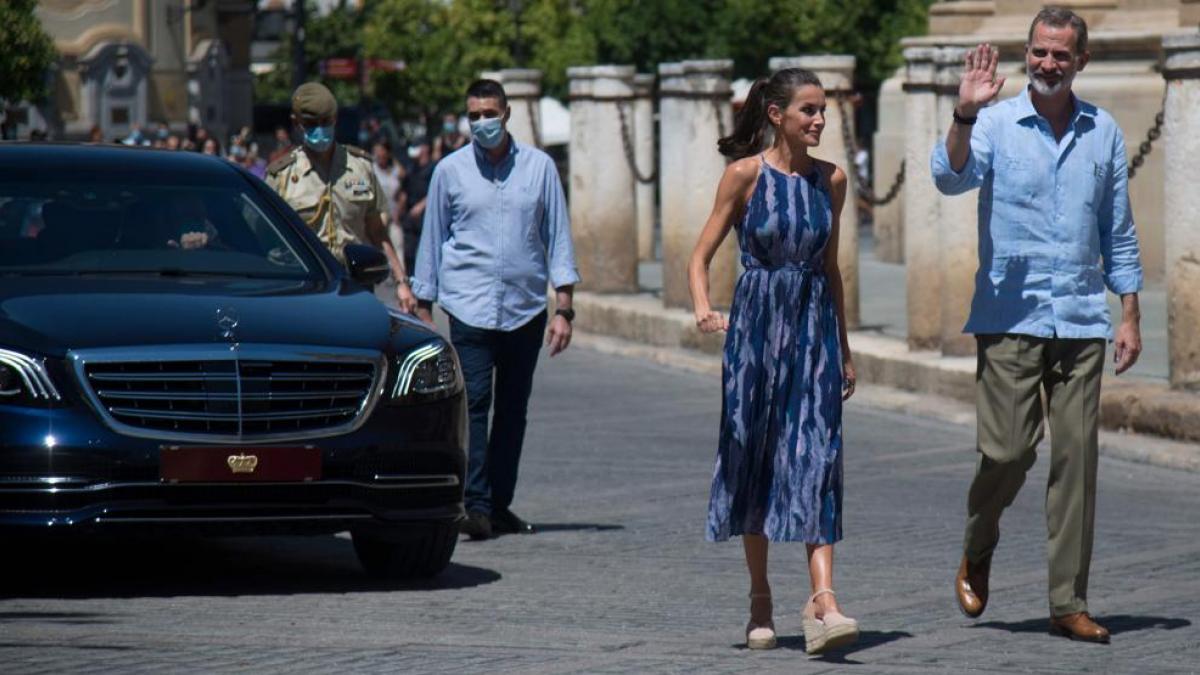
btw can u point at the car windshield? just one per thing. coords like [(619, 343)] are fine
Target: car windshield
[(108, 228)]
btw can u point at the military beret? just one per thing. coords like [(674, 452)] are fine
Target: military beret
[(313, 99)]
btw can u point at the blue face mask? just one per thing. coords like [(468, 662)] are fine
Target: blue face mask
[(318, 139), (488, 132)]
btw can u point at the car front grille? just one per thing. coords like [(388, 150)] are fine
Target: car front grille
[(245, 394)]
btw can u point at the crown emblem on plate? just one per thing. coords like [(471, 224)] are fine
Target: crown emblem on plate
[(242, 463)]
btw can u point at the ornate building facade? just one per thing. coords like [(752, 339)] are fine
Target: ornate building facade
[(128, 63)]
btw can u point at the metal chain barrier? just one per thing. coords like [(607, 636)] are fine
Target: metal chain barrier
[(627, 143), (1147, 145), (535, 122), (864, 191)]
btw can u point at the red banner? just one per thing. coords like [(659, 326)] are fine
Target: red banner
[(339, 68)]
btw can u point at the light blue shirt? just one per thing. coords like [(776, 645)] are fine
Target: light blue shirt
[(1049, 212), (493, 235)]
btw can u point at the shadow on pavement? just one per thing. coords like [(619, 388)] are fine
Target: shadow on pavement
[(99, 567), (577, 527), (866, 640), (63, 618), (1115, 623)]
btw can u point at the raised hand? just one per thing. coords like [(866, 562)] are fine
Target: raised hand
[(979, 83)]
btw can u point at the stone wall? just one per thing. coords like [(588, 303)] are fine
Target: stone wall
[(1123, 78)]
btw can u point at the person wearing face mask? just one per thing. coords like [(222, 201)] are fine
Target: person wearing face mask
[(333, 186), (1053, 205), (414, 189), (495, 233), (450, 139)]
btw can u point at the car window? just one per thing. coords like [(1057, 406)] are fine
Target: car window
[(183, 229)]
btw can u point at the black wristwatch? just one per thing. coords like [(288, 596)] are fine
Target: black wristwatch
[(568, 314)]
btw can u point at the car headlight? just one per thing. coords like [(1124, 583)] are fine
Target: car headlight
[(24, 380), (427, 373)]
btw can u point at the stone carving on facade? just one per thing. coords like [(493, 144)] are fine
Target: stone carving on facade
[(114, 81)]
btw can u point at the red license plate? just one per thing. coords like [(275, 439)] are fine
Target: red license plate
[(189, 464)]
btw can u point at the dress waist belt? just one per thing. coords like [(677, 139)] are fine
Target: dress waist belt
[(752, 263)]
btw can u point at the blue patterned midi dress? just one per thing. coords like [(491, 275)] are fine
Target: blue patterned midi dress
[(779, 458)]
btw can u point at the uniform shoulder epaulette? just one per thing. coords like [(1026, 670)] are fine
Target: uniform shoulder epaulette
[(357, 151), (280, 164)]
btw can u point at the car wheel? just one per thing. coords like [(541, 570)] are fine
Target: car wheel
[(413, 557)]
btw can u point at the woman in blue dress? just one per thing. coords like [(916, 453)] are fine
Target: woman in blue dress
[(787, 365)]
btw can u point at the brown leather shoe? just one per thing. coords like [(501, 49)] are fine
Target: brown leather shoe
[(1078, 626), (971, 586)]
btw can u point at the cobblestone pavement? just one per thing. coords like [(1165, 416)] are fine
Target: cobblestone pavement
[(620, 580)]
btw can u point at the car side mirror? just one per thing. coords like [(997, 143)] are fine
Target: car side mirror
[(367, 264)]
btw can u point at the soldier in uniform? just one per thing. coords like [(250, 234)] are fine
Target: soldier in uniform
[(333, 186)]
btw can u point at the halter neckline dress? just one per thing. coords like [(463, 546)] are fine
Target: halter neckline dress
[(778, 470)]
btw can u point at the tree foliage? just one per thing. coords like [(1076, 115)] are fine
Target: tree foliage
[(446, 43), (337, 34), (555, 36), (26, 52), (755, 30)]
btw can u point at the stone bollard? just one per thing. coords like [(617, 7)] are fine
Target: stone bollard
[(957, 221), (837, 75), (1181, 68), (523, 86), (603, 216), (695, 111), (921, 259), (642, 122), (888, 219)]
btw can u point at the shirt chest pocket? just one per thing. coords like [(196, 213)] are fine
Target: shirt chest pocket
[(1093, 181), (304, 193), (1017, 178), (357, 198), (528, 210)]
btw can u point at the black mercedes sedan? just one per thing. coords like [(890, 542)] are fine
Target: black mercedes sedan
[(178, 350)]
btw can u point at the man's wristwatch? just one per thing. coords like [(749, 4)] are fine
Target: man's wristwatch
[(568, 314)]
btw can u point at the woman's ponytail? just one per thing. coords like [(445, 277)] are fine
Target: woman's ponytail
[(750, 126)]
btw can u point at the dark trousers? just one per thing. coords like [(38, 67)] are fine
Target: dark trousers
[(508, 358)]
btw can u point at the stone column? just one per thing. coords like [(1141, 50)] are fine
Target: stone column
[(921, 259), (695, 111), (1181, 147), (642, 122), (837, 76), (603, 216), (523, 86), (888, 219), (957, 221)]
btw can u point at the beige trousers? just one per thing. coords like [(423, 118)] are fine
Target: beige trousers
[(1012, 372)]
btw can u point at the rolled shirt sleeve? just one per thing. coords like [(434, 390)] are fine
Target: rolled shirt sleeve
[(556, 232), (434, 230), (979, 160), (1118, 236), (381, 205)]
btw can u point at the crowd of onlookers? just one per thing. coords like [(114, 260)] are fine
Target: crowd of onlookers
[(404, 167)]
